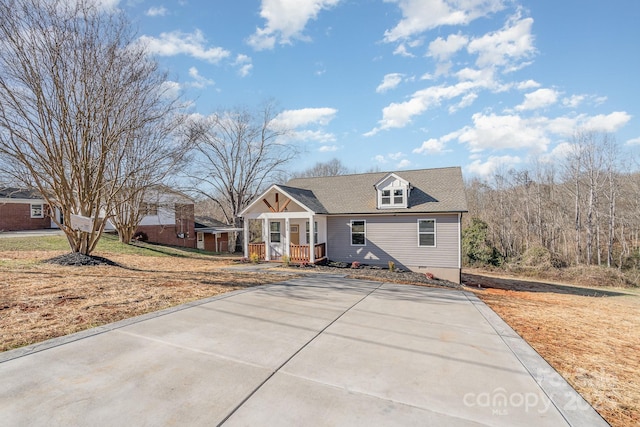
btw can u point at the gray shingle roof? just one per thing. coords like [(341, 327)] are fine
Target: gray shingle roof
[(432, 190)]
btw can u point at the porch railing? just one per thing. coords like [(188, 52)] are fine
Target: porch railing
[(257, 248), (301, 253)]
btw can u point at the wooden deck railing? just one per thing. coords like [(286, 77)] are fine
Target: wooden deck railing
[(300, 253), (257, 248)]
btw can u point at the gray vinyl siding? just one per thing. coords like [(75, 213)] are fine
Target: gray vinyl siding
[(395, 238)]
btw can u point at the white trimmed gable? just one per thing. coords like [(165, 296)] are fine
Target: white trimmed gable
[(274, 201), (392, 192)]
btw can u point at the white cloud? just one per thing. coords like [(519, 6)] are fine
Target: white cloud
[(403, 164), (538, 99), (422, 15), (401, 50), (431, 146), (633, 141), (505, 132), (312, 135), (328, 148), (529, 84), (492, 164), (199, 81), (465, 102), (286, 20), (398, 115), (607, 123), (443, 49), (306, 116), (380, 159), (396, 156), (573, 101), (157, 11), (390, 81), (179, 43), (171, 89), (244, 64), (504, 48)]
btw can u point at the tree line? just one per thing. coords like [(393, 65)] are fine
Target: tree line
[(583, 209)]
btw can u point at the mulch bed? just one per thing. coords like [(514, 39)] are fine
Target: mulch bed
[(372, 272)]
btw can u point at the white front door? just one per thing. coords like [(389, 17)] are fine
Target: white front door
[(276, 240), (200, 240)]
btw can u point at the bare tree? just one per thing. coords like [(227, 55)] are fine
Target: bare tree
[(76, 92), (147, 162), (331, 168), (235, 153)]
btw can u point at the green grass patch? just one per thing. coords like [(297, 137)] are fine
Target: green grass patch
[(108, 243)]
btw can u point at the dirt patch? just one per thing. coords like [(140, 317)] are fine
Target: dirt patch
[(39, 301), (591, 336)]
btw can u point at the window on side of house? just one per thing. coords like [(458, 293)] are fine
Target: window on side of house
[(274, 229), (427, 232), (37, 211), (315, 232), (358, 232)]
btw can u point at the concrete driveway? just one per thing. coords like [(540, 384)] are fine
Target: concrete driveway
[(320, 350)]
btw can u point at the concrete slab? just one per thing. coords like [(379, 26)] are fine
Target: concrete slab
[(319, 350)]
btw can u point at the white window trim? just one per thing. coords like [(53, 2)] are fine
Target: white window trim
[(279, 232), (392, 204), (32, 205), (351, 232), (435, 234)]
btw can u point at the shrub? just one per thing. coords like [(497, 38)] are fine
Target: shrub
[(355, 264), (254, 258), (286, 260), (429, 276), (392, 266)]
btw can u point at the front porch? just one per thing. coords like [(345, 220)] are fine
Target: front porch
[(297, 253)]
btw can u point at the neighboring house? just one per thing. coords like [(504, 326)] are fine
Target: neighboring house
[(168, 218), (23, 210), (412, 218), (213, 235)]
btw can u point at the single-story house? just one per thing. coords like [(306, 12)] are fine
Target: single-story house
[(412, 218), (22, 209), (168, 218), (213, 235)]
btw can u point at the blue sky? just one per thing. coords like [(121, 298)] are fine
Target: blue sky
[(408, 84)]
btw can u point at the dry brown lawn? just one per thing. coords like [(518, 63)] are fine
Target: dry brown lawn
[(590, 336), (40, 301)]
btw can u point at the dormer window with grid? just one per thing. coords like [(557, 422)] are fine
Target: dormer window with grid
[(393, 192)]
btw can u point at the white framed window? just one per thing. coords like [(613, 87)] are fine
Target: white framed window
[(392, 197), (427, 232), (358, 232), (385, 197), (274, 232), (37, 210), (315, 232)]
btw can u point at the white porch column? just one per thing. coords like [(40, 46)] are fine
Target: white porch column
[(312, 240), (266, 238), (245, 232), (287, 238)]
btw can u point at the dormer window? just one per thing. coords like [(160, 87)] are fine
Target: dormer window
[(393, 192)]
